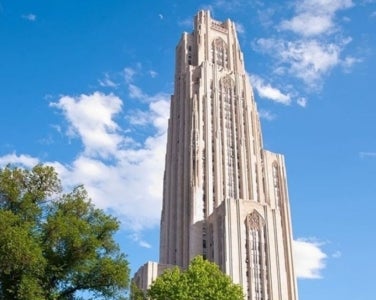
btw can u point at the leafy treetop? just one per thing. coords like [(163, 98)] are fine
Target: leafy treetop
[(55, 246), (202, 280)]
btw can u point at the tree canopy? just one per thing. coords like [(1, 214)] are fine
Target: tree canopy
[(54, 245), (202, 280)]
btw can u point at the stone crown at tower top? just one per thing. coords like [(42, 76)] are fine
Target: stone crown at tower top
[(204, 16), (213, 42)]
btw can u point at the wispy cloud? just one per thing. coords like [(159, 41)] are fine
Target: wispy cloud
[(240, 28), (309, 259), (186, 22), (233, 5), (107, 81), (315, 17), (30, 17), (129, 73), (266, 16), (349, 61), (265, 90), (136, 237), (307, 60), (337, 254), (267, 115), (135, 92), (302, 102), (138, 117), (316, 45), (367, 154), (153, 73)]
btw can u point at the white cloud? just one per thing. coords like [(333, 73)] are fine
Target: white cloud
[(130, 184), (349, 61), (138, 239), (309, 259), (308, 25), (314, 17), (144, 244), (90, 117), (307, 60), (302, 102), (138, 117), (14, 159), (317, 46), (157, 115), (30, 17), (322, 6), (160, 110), (265, 90), (153, 73)]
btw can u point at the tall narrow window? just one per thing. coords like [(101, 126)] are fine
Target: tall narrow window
[(256, 257), (227, 100), (219, 53), (276, 185)]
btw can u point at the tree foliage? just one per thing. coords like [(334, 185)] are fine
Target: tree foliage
[(55, 246), (136, 293), (202, 280)]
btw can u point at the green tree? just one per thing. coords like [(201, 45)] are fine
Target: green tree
[(202, 280), (55, 246), (136, 293)]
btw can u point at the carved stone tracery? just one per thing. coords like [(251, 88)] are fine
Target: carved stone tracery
[(220, 53), (255, 220), (227, 82)]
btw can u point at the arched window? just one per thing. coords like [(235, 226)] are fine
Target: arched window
[(219, 53), (257, 270)]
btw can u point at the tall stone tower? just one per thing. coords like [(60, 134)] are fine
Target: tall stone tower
[(225, 196)]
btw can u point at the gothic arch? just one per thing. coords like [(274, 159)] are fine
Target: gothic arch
[(254, 221), (256, 257), (219, 52)]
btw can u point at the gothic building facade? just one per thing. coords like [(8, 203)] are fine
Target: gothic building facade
[(225, 197)]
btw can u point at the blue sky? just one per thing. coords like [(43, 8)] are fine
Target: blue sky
[(85, 86)]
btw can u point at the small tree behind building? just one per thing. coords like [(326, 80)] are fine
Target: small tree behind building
[(202, 280)]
